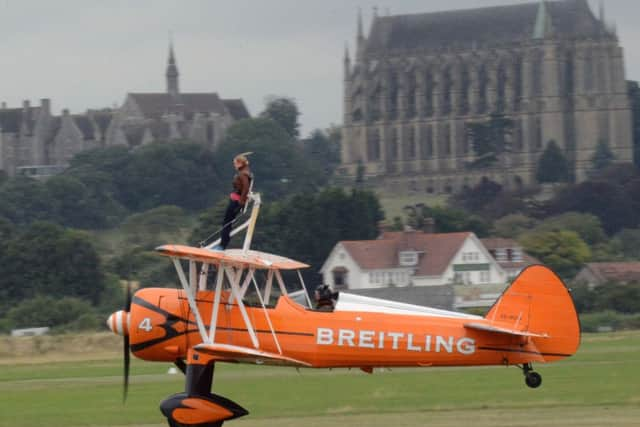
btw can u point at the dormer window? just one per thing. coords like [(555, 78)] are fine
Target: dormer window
[(408, 258)]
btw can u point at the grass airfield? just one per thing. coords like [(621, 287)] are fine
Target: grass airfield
[(600, 386)]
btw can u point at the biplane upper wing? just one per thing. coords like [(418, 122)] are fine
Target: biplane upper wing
[(233, 257), (500, 330), (233, 353)]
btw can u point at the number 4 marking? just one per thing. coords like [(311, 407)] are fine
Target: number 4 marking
[(145, 325)]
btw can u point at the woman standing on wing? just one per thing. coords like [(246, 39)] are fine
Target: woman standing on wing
[(237, 198)]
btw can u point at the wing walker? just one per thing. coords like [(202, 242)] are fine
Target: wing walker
[(246, 306)]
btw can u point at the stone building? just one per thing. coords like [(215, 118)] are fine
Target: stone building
[(174, 115), (417, 81), (35, 143)]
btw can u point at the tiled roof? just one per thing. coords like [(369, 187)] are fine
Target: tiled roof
[(85, 125), (12, 119), (155, 105), (493, 243), (490, 25), (615, 271), (438, 250), (236, 108)]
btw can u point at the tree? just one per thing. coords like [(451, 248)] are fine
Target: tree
[(514, 225), (277, 162), (322, 149), (490, 139), (603, 157), (553, 166), (24, 200), (149, 229), (563, 251), (610, 203), (627, 244), (45, 259), (283, 111), (48, 311), (587, 226), (476, 198), (180, 174), (445, 220)]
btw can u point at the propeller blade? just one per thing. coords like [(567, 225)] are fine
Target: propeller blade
[(127, 362), (127, 354)]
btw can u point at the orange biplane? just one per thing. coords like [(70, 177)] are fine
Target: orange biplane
[(234, 306)]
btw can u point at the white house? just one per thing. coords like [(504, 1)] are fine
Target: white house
[(401, 259), (509, 254)]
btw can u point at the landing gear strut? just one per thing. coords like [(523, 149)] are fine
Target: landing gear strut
[(531, 378)]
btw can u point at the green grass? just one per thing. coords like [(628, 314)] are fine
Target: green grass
[(599, 384)]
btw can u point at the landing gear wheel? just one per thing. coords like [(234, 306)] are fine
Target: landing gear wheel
[(533, 379)]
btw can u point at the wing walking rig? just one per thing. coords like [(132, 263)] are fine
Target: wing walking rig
[(247, 306)]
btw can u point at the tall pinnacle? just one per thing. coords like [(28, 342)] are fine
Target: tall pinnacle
[(360, 30), (173, 87)]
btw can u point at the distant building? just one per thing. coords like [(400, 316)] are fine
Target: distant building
[(173, 115), (411, 259), (417, 81), (35, 143), (596, 274), (510, 255)]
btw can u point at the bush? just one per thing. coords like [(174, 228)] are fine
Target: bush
[(44, 311), (592, 322)]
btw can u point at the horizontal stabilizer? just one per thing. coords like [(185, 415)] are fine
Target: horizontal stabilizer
[(233, 353), (499, 330)]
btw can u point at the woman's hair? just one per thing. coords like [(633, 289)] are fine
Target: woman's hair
[(242, 159)]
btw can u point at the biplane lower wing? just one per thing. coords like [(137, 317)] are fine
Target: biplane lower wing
[(233, 353)]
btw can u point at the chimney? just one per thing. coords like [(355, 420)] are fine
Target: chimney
[(45, 105), (429, 225), (26, 104), (65, 112), (4, 105)]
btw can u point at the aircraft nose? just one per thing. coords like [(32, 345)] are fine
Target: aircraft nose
[(118, 322)]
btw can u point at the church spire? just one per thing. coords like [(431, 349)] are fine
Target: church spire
[(542, 28), (360, 30), (347, 62), (173, 87)]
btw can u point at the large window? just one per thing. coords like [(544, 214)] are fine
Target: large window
[(340, 278)]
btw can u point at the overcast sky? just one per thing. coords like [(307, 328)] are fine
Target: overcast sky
[(90, 53)]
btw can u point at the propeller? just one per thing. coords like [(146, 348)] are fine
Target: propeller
[(127, 353)]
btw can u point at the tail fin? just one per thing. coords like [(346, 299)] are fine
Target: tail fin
[(539, 304)]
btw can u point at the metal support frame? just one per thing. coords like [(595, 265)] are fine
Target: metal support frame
[(216, 304), (204, 271), (234, 280), (191, 298), (304, 286), (268, 286), (250, 223)]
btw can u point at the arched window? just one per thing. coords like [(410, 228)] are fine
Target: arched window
[(482, 89), (393, 146), (373, 145), (428, 94), (446, 88), (375, 102), (411, 143), (427, 142), (446, 139), (465, 83), (501, 84), (393, 95), (411, 95), (537, 75)]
